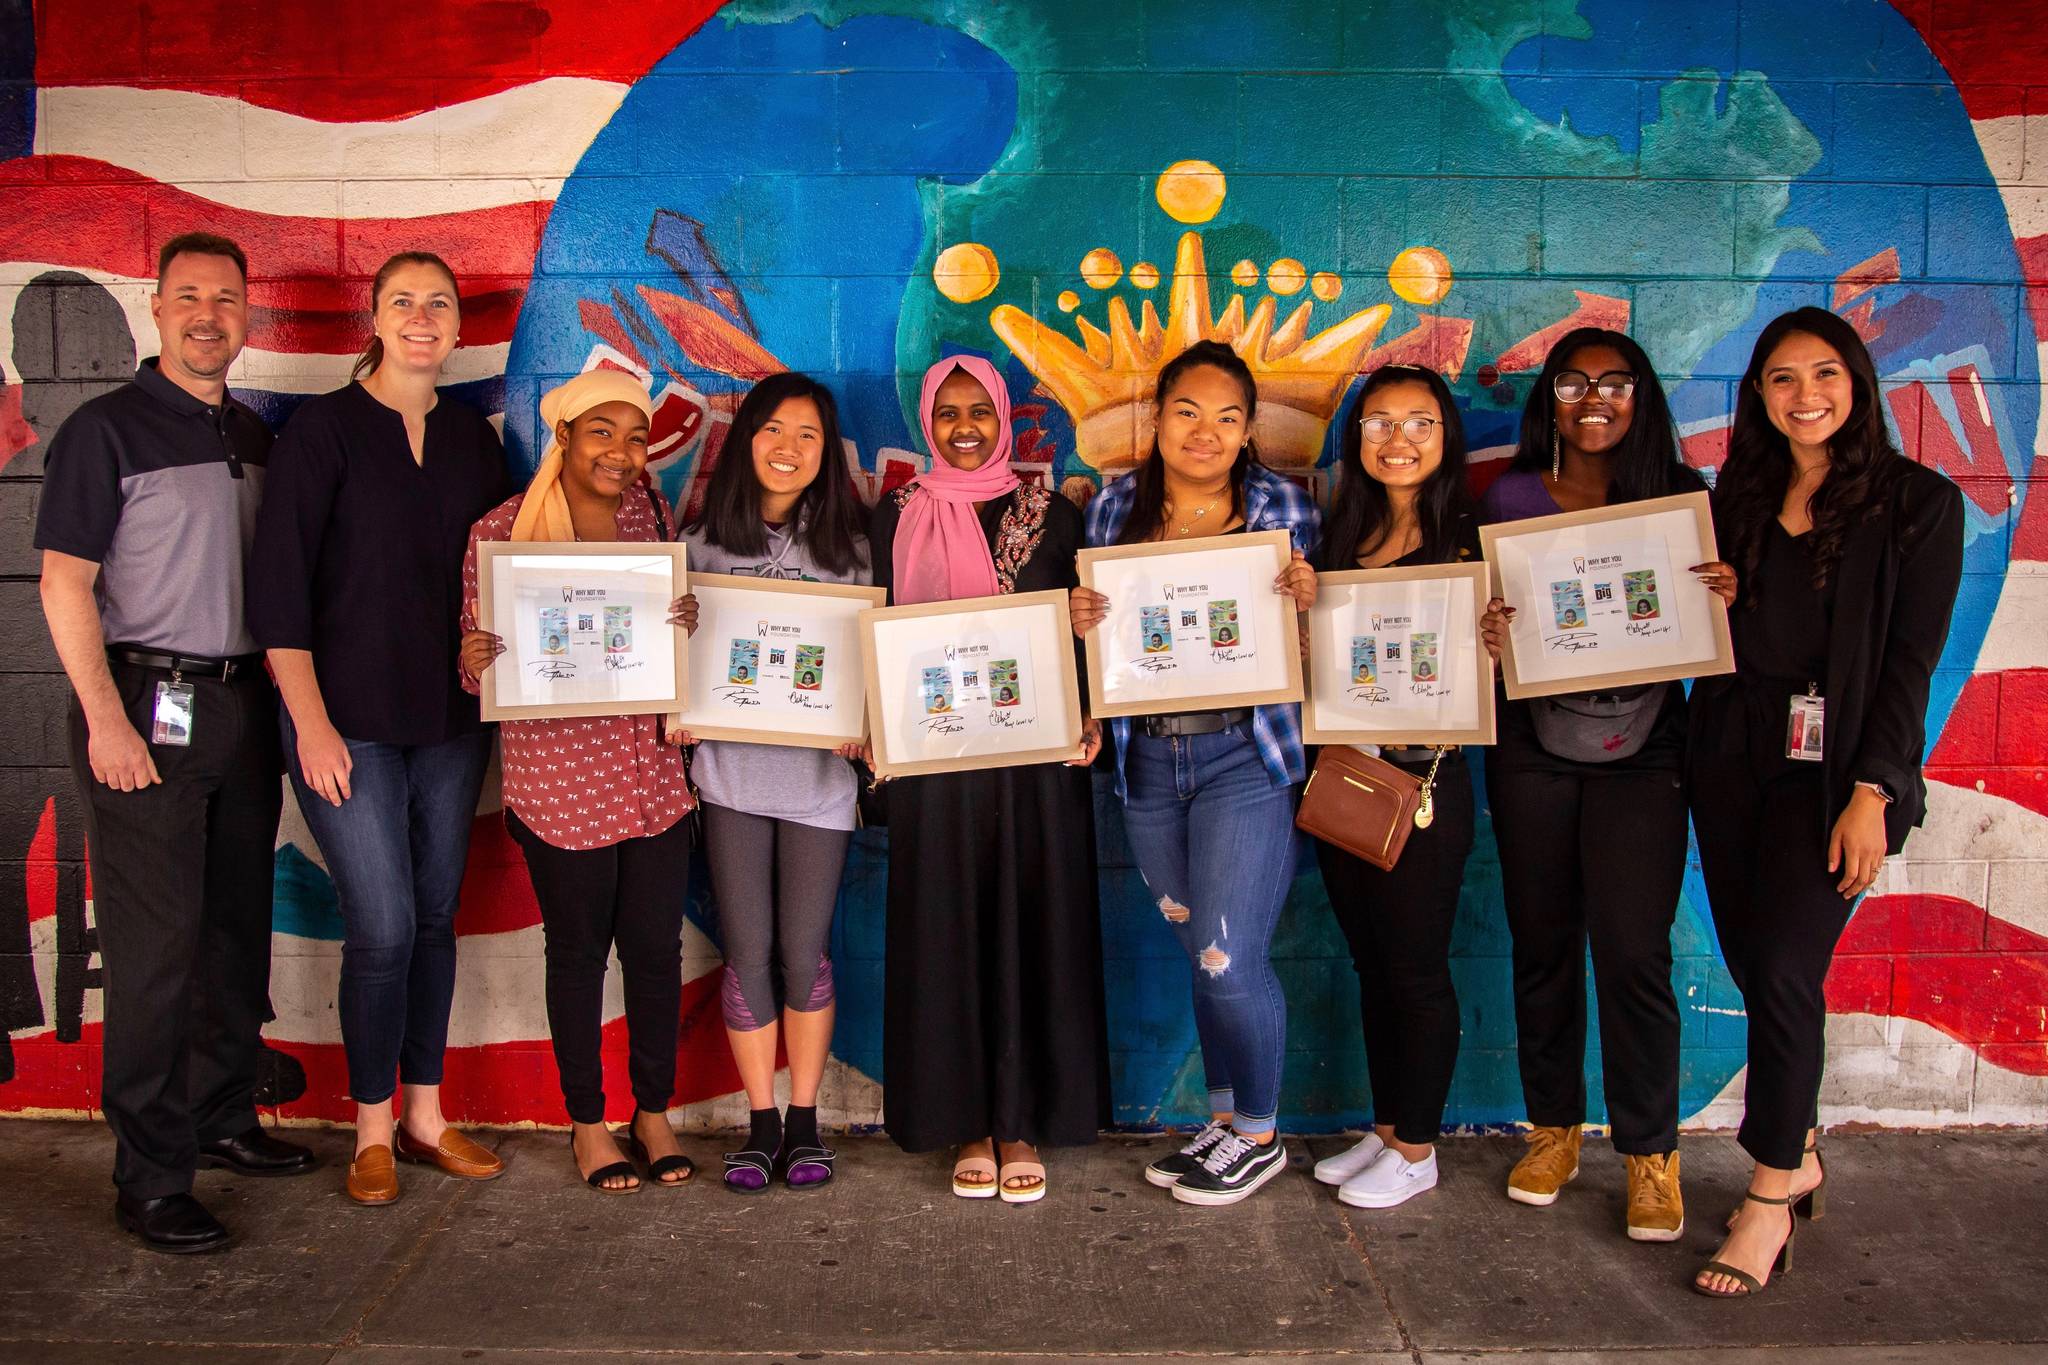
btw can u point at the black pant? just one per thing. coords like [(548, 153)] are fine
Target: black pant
[(630, 893), (1761, 818), (181, 878), (1593, 851), (1399, 924)]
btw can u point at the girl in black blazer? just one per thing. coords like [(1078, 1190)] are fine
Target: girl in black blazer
[(1805, 763)]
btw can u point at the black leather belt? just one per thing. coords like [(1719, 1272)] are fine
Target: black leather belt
[(188, 665), (1194, 723)]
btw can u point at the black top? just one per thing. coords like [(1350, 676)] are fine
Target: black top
[(1467, 541), (160, 489), (358, 558), (1044, 564), (1781, 628)]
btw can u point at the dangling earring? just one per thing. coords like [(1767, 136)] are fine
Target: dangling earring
[(1556, 461)]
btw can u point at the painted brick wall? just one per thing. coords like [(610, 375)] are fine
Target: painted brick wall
[(701, 194)]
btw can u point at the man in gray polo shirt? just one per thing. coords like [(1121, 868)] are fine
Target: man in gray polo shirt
[(148, 505)]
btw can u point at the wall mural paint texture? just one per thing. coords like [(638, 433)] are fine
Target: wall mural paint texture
[(703, 195)]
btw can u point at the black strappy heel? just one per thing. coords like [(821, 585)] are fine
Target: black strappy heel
[(606, 1172), (1814, 1203), (1750, 1284)]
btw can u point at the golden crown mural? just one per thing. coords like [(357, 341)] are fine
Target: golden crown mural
[(1105, 380)]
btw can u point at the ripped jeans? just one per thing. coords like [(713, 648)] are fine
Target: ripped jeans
[(1214, 837)]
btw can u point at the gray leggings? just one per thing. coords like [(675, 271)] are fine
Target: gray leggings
[(777, 884)]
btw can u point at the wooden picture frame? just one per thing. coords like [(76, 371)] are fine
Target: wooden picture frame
[(1615, 606), (1133, 668), (1347, 681), (568, 651), (935, 672), (790, 696)]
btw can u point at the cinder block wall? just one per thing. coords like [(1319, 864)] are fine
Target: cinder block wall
[(700, 193)]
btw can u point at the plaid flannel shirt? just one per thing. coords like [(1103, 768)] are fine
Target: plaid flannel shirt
[(1271, 503)]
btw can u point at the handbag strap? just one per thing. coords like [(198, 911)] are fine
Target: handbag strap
[(1429, 782)]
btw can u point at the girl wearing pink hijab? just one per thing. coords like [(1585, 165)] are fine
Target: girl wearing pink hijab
[(993, 1038)]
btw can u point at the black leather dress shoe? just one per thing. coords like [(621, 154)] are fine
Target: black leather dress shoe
[(177, 1224), (255, 1152)]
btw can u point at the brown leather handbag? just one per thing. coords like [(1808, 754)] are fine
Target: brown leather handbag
[(1366, 806)]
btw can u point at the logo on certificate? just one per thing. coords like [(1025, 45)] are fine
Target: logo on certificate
[(743, 664), (1155, 627), (554, 630), (1568, 604), (937, 691), (1639, 590), (1003, 687), (810, 667), (1223, 626), (1365, 661)]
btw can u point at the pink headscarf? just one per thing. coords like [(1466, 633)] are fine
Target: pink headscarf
[(941, 553)]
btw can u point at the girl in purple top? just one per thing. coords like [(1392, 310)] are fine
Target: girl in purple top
[(1591, 826)]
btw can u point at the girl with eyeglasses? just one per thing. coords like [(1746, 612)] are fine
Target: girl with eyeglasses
[(1851, 556), (1589, 807), (1401, 500)]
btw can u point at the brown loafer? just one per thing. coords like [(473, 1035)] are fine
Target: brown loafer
[(372, 1177), (456, 1154)]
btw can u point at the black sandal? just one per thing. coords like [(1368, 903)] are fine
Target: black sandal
[(609, 1171), (658, 1169), (815, 1162), (1749, 1284)]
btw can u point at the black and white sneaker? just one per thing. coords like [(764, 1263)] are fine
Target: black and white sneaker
[(1234, 1167), (1168, 1170)]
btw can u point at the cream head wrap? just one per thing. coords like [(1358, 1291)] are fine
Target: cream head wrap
[(544, 515)]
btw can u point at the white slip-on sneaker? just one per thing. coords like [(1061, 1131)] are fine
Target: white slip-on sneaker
[(1335, 1170), (1391, 1180)]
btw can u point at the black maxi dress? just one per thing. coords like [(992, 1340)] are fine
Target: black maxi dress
[(993, 1020)]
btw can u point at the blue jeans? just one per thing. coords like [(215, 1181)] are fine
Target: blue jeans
[(1214, 837), (396, 850)]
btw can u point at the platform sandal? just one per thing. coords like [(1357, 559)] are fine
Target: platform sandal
[(1032, 1171), (806, 1168), (609, 1171), (974, 1177), (1750, 1284)]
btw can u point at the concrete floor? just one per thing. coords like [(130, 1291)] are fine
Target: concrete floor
[(1935, 1248)]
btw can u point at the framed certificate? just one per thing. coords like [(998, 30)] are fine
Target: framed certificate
[(1193, 625), (1394, 657), (1603, 599), (776, 661), (984, 682), (585, 627)]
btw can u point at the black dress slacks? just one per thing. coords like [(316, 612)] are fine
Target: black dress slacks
[(1593, 853), (1398, 924), (181, 893), (1762, 822)]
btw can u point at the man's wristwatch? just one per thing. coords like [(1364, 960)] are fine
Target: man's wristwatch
[(1883, 793)]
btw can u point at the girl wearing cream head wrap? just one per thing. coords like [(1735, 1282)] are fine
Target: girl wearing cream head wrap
[(596, 803), (546, 514)]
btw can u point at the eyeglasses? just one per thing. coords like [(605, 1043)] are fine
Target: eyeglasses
[(1380, 430), (1572, 385)]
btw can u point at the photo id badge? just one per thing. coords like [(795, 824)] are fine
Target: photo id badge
[(172, 721), (1803, 728)]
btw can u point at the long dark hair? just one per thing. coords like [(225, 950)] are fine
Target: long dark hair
[(1148, 505), (1646, 464), (827, 513), (373, 350), (1864, 467), (1361, 513)]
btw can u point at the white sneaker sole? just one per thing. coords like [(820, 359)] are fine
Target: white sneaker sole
[(1376, 1199), (1328, 1171), (1217, 1198), (1161, 1179), (1636, 1234), (1541, 1201)]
